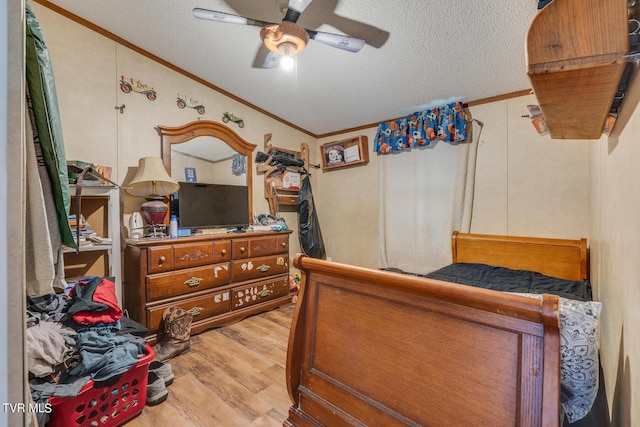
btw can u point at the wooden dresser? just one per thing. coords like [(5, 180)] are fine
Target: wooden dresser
[(220, 279)]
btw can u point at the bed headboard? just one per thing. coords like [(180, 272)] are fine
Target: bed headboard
[(562, 258)]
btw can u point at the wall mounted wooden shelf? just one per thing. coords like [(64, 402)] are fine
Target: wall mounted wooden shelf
[(346, 153), (275, 191), (575, 58)]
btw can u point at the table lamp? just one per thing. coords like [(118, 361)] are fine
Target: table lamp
[(152, 182)]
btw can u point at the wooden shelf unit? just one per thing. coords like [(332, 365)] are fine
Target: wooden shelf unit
[(576, 54), (274, 191), (100, 206)]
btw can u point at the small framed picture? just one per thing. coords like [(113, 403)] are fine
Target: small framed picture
[(239, 164), (349, 152), (190, 175)]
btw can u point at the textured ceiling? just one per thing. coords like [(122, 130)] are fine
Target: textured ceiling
[(416, 52)]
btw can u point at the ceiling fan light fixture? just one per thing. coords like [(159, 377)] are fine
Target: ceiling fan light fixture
[(287, 63), (285, 38)]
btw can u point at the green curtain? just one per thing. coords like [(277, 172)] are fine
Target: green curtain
[(44, 102)]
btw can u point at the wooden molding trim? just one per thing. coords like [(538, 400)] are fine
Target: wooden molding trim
[(161, 61), (466, 104), (115, 38)]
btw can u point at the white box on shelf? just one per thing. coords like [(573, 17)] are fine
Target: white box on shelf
[(291, 180)]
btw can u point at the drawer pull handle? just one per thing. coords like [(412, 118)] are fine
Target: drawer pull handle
[(195, 310), (284, 245), (264, 268), (194, 281), (242, 249), (162, 259), (223, 252)]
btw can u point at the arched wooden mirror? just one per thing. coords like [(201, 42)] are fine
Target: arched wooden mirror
[(209, 147)]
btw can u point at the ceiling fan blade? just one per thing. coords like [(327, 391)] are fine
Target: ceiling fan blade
[(228, 18), (295, 8), (339, 41), (272, 60), (299, 5)]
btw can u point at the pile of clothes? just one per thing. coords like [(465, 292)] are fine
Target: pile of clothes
[(74, 338)]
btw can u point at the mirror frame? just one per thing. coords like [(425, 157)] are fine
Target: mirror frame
[(189, 131)]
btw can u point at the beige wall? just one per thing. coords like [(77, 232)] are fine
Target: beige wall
[(346, 201), (615, 255), (88, 67), (525, 184)]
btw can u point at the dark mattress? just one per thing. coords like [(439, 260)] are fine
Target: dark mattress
[(523, 281), (507, 280)]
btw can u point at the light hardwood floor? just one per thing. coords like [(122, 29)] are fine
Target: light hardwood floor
[(232, 376)]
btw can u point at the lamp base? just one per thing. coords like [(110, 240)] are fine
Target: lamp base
[(157, 231), (154, 210)]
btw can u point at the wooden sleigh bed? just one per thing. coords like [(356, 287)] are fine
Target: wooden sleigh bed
[(378, 348)]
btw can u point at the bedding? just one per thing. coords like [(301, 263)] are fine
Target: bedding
[(509, 280), (578, 324), (579, 367)]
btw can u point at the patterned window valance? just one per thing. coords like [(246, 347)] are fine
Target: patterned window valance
[(446, 123)]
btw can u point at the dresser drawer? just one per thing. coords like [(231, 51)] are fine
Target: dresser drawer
[(201, 307), (282, 244), (222, 250), (259, 267), (240, 248), (260, 246), (160, 259), (193, 254), (180, 282), (245, 296)]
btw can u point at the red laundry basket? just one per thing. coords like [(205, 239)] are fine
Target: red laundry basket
[(105, 406)]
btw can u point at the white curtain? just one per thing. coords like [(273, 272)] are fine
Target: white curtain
[(425, 194)]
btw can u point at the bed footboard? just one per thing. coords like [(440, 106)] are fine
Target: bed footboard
[(370, 347)]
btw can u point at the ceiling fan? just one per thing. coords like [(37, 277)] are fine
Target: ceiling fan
[(287, 38)]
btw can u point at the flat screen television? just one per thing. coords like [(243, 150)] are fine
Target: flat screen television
[(200, 205)]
